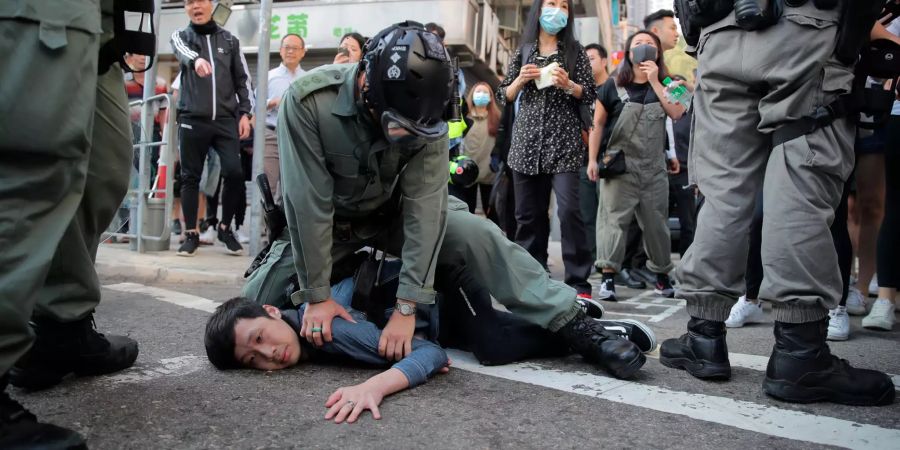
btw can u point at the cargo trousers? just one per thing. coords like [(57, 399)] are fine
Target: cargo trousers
[(65, 152), (751, 83)]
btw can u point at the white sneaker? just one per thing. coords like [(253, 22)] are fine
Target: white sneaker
[(208, 237), (881, 317), (242, 236), (607, 291), (838, 324), (856, 303), (873, 286), (744, 312)]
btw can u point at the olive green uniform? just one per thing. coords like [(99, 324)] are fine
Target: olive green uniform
[(338, 176), (749, 84), (65, 150)]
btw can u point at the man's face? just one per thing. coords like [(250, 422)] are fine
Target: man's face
[(292, 51), (199, 11), (598, 63), (667, 32), (136, 62), (266, 343)]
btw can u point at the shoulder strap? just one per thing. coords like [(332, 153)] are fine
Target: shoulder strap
[(318, 78), (526, 52)]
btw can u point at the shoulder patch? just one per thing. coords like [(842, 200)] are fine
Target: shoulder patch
[(318, 78)]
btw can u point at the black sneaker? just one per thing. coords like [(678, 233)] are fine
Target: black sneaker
[(587, 337), (634, 331), (190, 245), (591, 307), (232, 246), (176, 226), (623, 278), (607, 290), (19, 428), (702, 351), (664, 286), (803, 370), (75, 347)]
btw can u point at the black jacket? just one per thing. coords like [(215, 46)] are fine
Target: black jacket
[(230, 80)]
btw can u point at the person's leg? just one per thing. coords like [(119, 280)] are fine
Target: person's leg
[(271, 164), (484, 191), (748, 309), (652, 216), (839, 321), (227, 146), (618, 198), (728, 158), (686, 206), (588, 202), (881, 317), (532, 202), (870, 185), (195, 137), (576, 258)]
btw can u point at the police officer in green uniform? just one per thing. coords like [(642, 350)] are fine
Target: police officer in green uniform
[(770, 83), (65, 151), (351, 137)]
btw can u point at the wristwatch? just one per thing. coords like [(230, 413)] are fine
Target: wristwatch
[(571, 89), (405, 309)]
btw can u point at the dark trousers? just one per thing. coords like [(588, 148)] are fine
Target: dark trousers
[(839, 234), (635, 256), (470, 195), (681, 191), (196, 137), (588, 202), (533, 232), (468, 321), (888, 247)]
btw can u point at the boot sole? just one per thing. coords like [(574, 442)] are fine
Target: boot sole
[(703, 370), (630, 369), (790, 392)]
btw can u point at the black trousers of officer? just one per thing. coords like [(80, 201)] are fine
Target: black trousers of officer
[(681, 191)]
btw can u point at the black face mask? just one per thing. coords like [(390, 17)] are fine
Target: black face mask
[(645, 52)]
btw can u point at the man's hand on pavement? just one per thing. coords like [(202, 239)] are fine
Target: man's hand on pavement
[(316, 327), (203, 68), (396, 338)]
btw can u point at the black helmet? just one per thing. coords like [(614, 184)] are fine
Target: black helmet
[(463, 171), (410, 81)]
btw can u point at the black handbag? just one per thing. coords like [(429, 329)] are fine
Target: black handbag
[(611, 164)]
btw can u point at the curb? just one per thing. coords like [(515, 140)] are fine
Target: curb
[(146, 273)]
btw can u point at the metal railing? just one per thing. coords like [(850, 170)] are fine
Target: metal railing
[(140, 196)]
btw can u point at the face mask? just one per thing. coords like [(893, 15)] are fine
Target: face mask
[(481, 98), (553, 20), (641, 53)]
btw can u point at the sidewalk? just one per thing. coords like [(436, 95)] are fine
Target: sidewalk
[(210, 265)]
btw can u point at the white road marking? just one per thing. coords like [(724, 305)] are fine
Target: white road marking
[(734, 413), (168, 367), (166, 295)]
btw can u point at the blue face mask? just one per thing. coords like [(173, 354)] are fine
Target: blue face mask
[(553, 20), (481, 98)]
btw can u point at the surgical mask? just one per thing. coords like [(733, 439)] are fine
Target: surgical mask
[(553, 20), (481, 98)]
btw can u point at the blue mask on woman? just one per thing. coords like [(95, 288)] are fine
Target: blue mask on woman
[(553, 20), (481, 98)]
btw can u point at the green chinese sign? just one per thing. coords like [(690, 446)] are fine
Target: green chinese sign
[(298, 24)]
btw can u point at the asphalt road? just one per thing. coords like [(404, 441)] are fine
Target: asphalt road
[(173, 398)]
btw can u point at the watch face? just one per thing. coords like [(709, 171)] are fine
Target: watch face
[(405, 309)]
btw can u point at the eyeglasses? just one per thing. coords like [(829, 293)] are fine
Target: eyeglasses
[(291, 48)]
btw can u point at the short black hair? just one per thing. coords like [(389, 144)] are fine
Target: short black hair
[(436, 29), (658, 15), (294, 34), (599, 48), (219, 338)]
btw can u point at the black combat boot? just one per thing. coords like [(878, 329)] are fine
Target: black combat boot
[(20, 430), (702, 351), (74, 347), (618, 356), (803, 370)]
